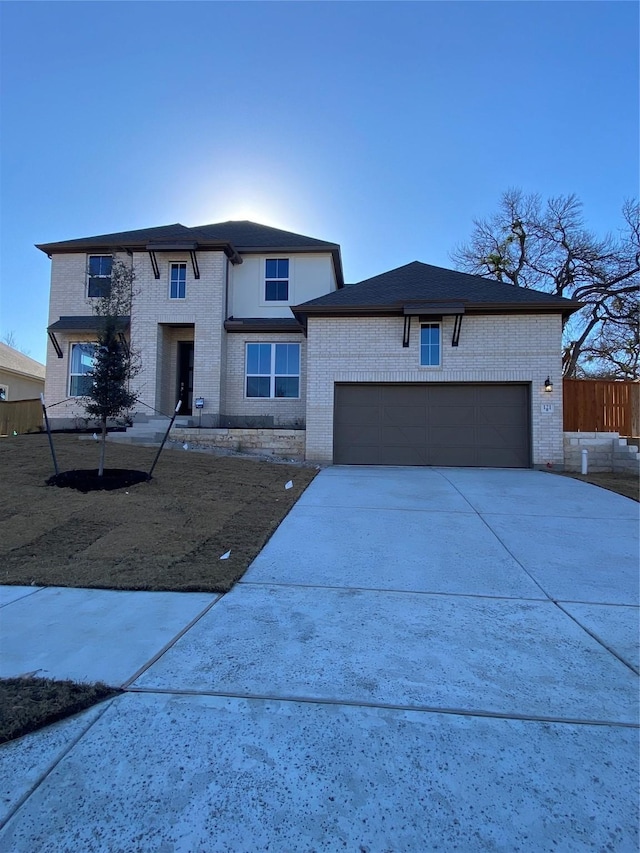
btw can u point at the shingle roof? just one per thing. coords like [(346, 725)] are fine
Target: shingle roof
[(418, 282), (242, 234), (232, 237), (17, 362), (122, 238), (247, 235)]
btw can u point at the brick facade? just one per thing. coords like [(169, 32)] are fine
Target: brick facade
[(492, 348), (285, 412), (158, 324)]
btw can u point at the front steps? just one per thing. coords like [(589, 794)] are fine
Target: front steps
[(150, 431)]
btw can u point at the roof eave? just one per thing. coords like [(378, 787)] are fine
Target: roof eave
[(85, 248), (397, 308)]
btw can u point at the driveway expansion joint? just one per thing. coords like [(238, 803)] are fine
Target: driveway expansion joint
[(426, 709), (598, 639), (170, 644), (52, 766), (384, 590)]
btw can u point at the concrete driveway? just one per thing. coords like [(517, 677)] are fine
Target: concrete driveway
[(419, 659)]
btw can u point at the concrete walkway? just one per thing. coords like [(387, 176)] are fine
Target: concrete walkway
[(419, 659)]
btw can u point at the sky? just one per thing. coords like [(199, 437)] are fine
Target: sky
[(386, 127)]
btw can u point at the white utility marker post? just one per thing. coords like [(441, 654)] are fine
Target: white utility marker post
[(585, 461)]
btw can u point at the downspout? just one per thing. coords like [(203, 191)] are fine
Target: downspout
[(226, 292)]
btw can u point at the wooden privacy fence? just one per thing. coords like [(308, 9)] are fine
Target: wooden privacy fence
[(21, 416), (601, 405)]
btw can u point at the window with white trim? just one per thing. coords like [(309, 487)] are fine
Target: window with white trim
[(178, 281), (272, 370), (430, 345), (276, 280), (99, 275), (80, 365)]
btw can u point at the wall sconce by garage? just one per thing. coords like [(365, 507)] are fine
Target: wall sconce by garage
[(548, 385)]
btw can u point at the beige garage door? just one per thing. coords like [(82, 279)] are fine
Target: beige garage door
[(439, 424)]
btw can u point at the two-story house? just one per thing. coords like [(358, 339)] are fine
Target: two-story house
[(420, 365), (210, 319)]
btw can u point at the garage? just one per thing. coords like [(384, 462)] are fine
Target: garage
[(448, 424)]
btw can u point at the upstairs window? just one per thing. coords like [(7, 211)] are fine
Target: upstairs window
[(430, 345), (80, 364), (273, 370), (276, 280), (178, 288), (99, 275)]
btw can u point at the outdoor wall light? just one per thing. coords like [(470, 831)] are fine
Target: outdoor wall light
[(548, 384)]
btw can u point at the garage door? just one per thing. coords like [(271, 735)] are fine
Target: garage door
[(440, 424)]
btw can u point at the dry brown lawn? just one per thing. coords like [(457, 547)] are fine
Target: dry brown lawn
[(27, 704), (166, 534)]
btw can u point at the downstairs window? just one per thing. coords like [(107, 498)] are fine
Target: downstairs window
[(272, 370)]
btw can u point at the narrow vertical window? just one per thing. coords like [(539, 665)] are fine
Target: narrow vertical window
[(178, 289), (276, 280), (99, 275), (80, 364), (430, 345)]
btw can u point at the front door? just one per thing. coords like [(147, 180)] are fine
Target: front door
[(185, 376)]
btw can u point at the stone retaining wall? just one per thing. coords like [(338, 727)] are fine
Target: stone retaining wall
[(288, 443), (606, 452)]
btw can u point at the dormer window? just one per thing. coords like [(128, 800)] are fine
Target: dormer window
[(99, 275), (276, 280)]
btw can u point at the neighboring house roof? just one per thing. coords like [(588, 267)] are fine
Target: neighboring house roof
[(395, 292), (233, 237), (16, 362)]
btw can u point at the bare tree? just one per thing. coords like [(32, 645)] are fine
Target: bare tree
[(546, 246), (114, 365), (9, 338)]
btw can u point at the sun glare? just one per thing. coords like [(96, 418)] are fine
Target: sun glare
[(270, 196)]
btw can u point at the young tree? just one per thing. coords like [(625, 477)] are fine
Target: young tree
[(114, 363), (546, 246)]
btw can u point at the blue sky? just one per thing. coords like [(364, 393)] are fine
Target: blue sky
[(384, 126)]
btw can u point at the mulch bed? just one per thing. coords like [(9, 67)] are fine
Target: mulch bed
[(88, 480)]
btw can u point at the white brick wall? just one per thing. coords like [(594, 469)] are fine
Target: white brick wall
[(499, 348), (157, 323), (285, 411)]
